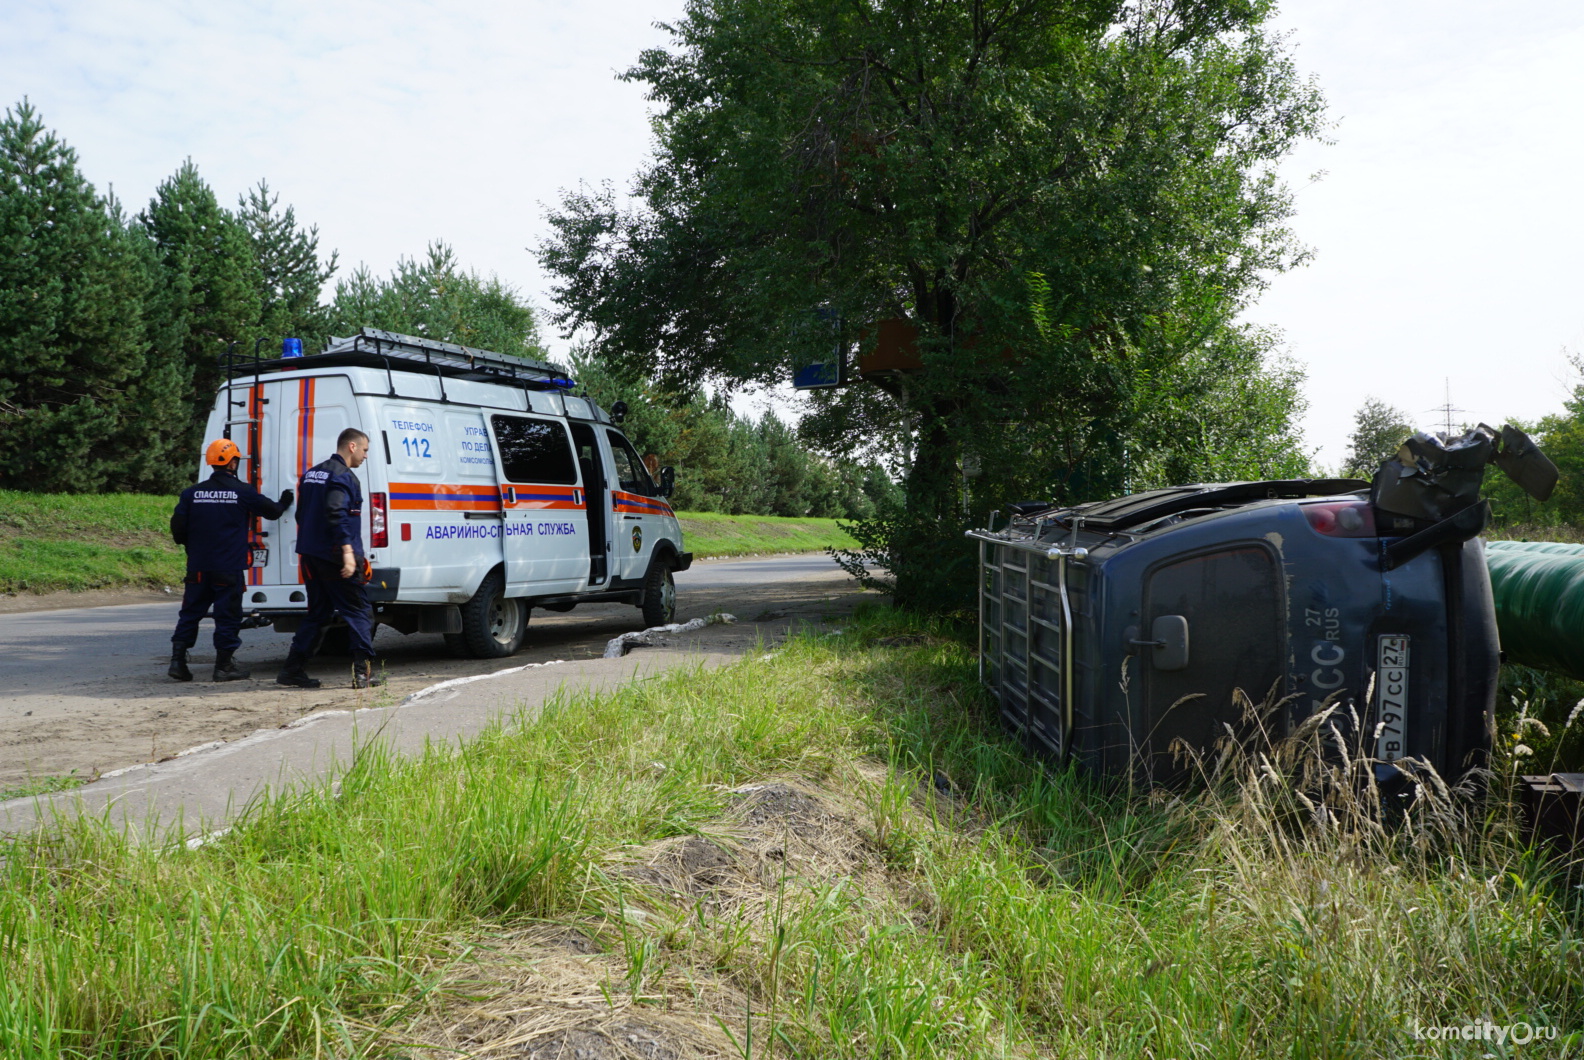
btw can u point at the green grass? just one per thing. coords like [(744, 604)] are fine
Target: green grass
[(45, 786), (1564, 532), (707, 534), (1027, 913), (54, 542)]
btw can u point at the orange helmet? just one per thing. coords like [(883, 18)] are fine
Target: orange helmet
[(221, 452)]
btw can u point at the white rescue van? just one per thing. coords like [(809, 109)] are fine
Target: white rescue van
[(489, 489)]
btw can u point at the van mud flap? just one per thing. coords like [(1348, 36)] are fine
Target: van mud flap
[(384, 585)]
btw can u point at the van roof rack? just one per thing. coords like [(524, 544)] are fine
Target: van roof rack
[(373, 348)]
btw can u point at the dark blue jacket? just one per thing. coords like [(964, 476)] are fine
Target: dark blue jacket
[(330, 511), (212, 520)]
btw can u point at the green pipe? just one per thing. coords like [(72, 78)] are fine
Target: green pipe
[(1538, 588)]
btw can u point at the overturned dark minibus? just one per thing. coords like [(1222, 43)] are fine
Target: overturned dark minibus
[(1111, 631)]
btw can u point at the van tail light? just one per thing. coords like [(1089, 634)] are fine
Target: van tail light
[(379, 537), (1341, 518)]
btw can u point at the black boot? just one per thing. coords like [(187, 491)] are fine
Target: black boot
[(178, 668), (226, 668), (293, 673), (363, 675)]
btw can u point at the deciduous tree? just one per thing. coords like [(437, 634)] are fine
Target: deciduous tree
[(1071, 198), (1378, 430)]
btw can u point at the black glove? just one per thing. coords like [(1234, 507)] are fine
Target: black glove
[(287, 496)]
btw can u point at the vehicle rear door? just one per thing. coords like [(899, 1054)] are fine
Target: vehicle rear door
[(286, 427), (544, 531), (1231, 602)]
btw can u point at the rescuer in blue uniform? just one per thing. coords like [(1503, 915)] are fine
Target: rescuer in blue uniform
[(330, 542), (211, 520)]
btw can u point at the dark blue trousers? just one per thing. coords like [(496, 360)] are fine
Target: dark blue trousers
[(329, 595), (221, 589)]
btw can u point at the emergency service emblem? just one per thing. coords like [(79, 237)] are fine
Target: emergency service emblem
[(637, 539)]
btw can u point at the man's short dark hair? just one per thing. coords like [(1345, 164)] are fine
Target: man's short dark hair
[(351, 434)]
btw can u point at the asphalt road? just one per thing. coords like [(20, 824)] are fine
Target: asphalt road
[(84, 690), (53, 651)]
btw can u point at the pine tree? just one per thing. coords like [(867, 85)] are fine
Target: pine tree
[(436, 298), (207, 295), (71, 335), (290, 272), (156, 455)]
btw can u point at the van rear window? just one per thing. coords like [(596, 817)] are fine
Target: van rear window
[(534, 450)]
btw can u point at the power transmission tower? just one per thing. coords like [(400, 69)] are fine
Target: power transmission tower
[(1447, 409)]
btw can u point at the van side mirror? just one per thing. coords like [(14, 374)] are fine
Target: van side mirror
[(618, 412), (667, 481), (1168, 638)]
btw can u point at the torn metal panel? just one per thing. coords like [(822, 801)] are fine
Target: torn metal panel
[(1435, 476)]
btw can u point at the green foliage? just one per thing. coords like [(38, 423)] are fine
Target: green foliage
[(1561, 437), (726, 462), (72, 290), (1379, 430), (436, 298), (1540, 712), (207, 295), (895, 160), (290, 273)]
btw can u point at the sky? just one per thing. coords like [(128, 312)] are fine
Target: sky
[(1447, 220)]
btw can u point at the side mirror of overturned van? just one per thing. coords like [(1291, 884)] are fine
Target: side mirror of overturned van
[(667, 481)]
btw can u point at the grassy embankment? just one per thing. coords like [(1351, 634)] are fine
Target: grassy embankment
[(51, 542), (831, 852)]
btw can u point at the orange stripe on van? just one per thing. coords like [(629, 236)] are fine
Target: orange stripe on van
[(443, 497), (638, 504), (533, 496)]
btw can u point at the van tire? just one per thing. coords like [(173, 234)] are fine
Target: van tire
[(493, 624), (659, 598)]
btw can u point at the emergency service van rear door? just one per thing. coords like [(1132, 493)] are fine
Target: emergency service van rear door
[(544, 532), (287, 427)]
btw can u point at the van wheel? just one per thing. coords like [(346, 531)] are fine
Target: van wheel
[(659, 599), (493, 623)]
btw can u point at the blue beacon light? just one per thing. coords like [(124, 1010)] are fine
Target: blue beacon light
[(291, 348)]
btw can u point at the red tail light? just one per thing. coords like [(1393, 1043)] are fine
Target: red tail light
[(1341, 518), (378, 536)]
